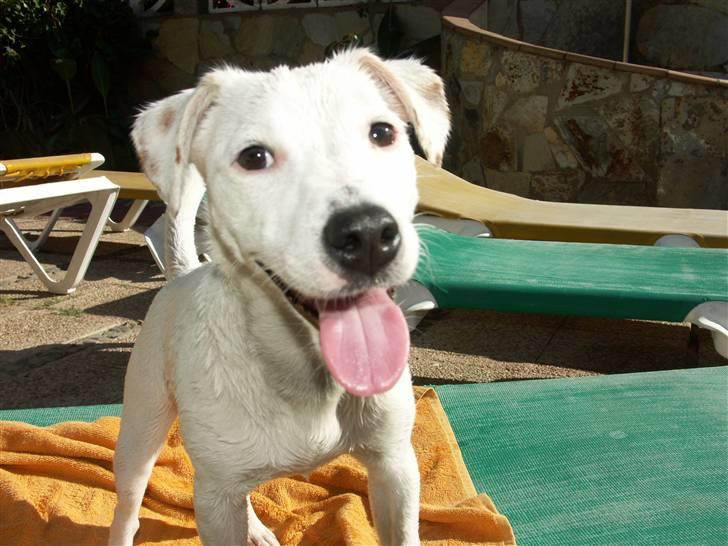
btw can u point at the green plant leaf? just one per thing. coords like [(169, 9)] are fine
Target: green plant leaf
[(100, 74), (65, 68)]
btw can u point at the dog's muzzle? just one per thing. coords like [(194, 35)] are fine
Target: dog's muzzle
[(362, 240), (364, 338)]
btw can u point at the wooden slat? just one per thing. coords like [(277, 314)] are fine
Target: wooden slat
[(512, 217)]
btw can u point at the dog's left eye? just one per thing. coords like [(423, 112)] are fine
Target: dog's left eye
[(382, 134), (255, 158)]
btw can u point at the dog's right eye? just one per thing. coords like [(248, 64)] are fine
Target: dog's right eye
[(255, 158)]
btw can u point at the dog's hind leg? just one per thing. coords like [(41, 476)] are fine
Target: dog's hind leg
[(147, 415)]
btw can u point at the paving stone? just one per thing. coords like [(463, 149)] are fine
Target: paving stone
[(697, 183), (618, 193), (472, 91), (696, 127), (561, 186), (639, 82), (452, 46), (625, 349), (475, 59), (166, 75), (94, 374), (528, 113), (537, 153), (231, 22), (586, 83), (635, 120), (311, 53), (588, 137), (472, 172), (290, 37), (178, 42), (497, 150), (562, 154), (517, 183), (320, 28), (256, 34), (214, 43), (589, 27), (351, 22), (520, 72), (700, 30), (494, 102), (186, 7)]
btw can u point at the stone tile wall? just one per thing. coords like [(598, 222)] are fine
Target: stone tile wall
[(187, 46), (557, 130)]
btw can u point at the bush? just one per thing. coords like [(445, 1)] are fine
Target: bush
[(65, 68)]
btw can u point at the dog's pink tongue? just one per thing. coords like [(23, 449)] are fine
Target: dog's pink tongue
[(365, 342)]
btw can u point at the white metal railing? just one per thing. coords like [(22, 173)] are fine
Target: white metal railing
[(164, 7), (147, 7), (222, 6), (225, 6)]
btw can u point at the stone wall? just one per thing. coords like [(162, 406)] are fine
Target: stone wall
[(682, 34), (187, 46), (679, 34), (591, 27), (560, 130)]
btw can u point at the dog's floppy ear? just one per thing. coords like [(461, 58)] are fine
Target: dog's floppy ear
[(163, 135), (417, 94)]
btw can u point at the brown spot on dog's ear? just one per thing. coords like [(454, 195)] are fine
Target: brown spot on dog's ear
[(177, 155), (167, 119), (434, 91)]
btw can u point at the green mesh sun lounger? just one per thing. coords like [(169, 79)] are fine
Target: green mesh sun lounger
[(622, 281), (633, 459)]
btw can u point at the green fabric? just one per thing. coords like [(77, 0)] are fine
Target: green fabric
[(623, 281), (44, 417), (627, 459)]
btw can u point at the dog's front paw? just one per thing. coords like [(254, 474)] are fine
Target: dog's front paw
[(260, 535)]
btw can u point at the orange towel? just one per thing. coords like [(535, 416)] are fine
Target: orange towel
[(56, 488)]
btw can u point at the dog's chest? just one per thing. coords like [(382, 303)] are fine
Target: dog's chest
[(262, 441), (306, 443)]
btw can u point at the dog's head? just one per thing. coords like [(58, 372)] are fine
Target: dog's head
[(308, 171)]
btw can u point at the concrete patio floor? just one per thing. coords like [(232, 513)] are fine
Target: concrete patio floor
[(73, 350)]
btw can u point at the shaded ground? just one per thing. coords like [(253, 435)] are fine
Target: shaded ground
[(72, 350)]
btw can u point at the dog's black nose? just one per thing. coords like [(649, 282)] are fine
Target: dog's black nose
[(362, 239)]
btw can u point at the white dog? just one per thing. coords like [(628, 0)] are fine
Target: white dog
[(285, 350)]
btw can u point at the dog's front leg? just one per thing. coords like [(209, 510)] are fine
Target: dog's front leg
[(225, 517), (394, 494)]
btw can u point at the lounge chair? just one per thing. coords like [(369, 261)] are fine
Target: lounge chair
[(613, 460), (602, 280), (39, 170), (610, 280), (457, 205), (507, 216), (610, 460), (22, 194)]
